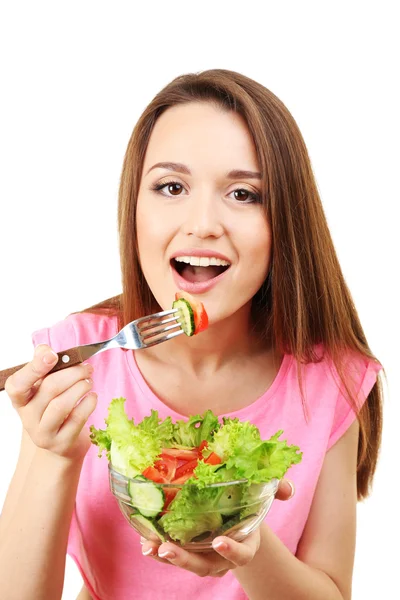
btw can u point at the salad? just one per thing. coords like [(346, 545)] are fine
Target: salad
[(191, 454), (192, 314)]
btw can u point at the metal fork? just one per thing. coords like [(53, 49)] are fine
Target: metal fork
[(141, 333)]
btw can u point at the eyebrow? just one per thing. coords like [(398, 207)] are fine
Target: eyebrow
[(181, 168)]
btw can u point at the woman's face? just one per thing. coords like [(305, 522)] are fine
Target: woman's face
[(200, 225)]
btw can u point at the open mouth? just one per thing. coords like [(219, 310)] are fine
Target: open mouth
[(197, 269)]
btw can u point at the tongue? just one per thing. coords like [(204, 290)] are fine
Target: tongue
[(198, 274)]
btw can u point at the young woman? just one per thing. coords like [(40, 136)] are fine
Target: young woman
[(216, 168)]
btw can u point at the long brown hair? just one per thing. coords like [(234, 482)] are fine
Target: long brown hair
[(305, 302)]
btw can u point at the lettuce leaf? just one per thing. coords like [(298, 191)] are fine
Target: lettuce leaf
[(161, 429), (101, 438), (194, 431), (133, 448), (233, 436), (193, 512), (205, 474), (265, 460)]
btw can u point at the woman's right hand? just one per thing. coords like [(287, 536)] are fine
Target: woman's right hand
[(48, 405)]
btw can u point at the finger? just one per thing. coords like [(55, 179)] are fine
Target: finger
[(160, 560), (202, 565), (19, 385), (58, 383), (77, 418), (151, 549), (58, 409), (238, 553), (286, 490)]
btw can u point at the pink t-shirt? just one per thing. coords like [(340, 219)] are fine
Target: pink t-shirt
[(103, 545)]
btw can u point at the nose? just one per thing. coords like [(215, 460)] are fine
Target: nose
[(203, 217)]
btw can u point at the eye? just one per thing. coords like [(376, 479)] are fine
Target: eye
[(169, 188), (245, 196)]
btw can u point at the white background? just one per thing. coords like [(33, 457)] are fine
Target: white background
[(75, 77)]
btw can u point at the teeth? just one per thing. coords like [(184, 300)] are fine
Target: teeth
[(202, 261)]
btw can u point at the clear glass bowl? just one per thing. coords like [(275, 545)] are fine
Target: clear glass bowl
[(237, 510)]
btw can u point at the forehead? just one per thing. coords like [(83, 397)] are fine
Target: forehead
[(201, 133)]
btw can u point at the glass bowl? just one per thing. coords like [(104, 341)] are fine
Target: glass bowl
[(233, 509)]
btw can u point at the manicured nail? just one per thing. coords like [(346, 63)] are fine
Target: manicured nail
[(168, 554), (147, 552), (291, 487), (50, 357), (220, 546)]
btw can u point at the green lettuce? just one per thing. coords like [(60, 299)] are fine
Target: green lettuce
[(205, 474), (233, 436), (161, 429), (193, 511), (263, 461), (198, 428), (130, 448)]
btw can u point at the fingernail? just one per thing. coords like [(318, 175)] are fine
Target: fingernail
[(147, 552), (50, 357), (291, 487), (168, 554), (220, 546)]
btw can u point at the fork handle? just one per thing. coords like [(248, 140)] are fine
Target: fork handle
[(67, 358)]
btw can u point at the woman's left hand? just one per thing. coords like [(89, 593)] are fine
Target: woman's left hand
[(226, 554)]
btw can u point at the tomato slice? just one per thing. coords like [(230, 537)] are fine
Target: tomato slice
[(181, 454), (189, 467), (202, 321), (163, 470), (169, 495), (183, 479), (154, 475), (199, 312), (203, 445), (213, 459), (167, 466)]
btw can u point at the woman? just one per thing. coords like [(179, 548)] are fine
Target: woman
[(216, 167)]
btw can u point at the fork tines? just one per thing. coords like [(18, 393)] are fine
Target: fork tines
[(150, 328)]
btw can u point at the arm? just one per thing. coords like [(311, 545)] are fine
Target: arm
[(34, 535), (36, 516), (322, 568)]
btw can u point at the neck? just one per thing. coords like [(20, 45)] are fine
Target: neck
[(223, 342)]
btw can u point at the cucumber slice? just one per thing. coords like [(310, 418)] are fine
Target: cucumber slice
[(147, 497), (145, 525), (186, 317)]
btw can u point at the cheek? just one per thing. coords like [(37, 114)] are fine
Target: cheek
[(259, 246), (145, 226), (151, 234)]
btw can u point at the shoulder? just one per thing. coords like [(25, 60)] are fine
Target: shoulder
[(353, 369), (76, 329), (336, 391)]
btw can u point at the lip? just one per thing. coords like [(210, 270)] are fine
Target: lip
[(199, 287), (200, 252)]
